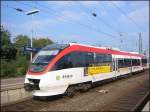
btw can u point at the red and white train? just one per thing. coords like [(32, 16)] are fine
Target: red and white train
[(64, 68)]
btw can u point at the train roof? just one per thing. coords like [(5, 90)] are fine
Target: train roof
[(55, 46), (108, 50), (111, 50)]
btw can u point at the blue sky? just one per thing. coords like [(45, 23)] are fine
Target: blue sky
[(72, 21)]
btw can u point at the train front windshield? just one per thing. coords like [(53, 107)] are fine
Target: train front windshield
[(45, 56), (42, 59)]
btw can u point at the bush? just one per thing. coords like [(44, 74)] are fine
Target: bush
[(14, 60), (13, 68), (22, 63), (8, 68)]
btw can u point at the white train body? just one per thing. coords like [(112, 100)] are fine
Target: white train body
[(54, 79)]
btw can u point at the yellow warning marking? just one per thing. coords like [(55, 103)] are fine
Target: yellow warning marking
[(98, 69)]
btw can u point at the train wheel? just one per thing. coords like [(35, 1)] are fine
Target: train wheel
[(70, 92), (85, 87)]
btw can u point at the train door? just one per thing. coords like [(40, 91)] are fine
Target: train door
[(130, 65), (89, 66), (115, 66)]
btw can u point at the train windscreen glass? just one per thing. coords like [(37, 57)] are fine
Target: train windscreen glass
[(42, 59)]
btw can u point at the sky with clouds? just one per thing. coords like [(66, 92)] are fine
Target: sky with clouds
[(117, 23)]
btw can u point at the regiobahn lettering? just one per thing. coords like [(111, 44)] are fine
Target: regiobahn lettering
[(61, 68), (67, 76), (63, 77)]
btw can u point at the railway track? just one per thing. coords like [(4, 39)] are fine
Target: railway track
[(128, 94), (134, 101)]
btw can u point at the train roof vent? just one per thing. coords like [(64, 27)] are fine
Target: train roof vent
[(134, 52), (103, 47), (110, 48)]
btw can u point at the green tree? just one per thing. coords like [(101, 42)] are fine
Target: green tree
[(10, 65), (7, 49), (8, 54), (41, 42), (5, 37), (22, 40)]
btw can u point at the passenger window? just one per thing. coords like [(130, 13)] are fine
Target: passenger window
[(76, 59), (89, 57), (135, 62), (102, 59), (63, 63), (120, 63), (144, 62), (127, 62), (82, 59)]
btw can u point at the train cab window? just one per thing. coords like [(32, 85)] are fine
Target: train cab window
[(42, 59)]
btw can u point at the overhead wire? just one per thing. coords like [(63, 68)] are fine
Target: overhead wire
[(7, 6), (84, 25), (45, 9), (120, 32), (88, 21), (81, 24), (121, 11), (111, 14), (53, 12), (77, 22), (102, 20)]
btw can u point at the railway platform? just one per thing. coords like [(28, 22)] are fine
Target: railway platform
[(12, 90)]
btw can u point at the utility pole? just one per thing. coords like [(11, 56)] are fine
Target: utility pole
[(121, 41), (140, 43), (32, 12)]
